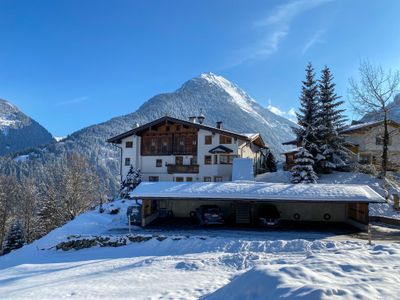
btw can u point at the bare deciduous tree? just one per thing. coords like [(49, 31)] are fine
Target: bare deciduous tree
[(373, 93)]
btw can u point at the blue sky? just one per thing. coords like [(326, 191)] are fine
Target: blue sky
[(70, 64)]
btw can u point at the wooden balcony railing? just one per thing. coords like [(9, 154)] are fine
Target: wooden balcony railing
[(182, 168)]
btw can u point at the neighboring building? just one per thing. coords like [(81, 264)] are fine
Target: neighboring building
[(365, 140), (170, 149)]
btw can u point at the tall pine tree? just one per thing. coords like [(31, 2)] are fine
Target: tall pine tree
[(308, 115), (331, 121)]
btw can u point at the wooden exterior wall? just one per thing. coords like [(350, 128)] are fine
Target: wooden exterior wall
[(358, 212), (169, 139)]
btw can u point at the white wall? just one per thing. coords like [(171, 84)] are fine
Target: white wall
[(147, 164)]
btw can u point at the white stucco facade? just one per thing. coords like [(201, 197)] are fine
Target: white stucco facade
[(154, 167), (369, 147)]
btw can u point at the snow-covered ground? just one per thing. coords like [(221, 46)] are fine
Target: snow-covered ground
[(199, 264), (375, 209)]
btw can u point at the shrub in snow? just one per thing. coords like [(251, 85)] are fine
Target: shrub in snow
[(367, 169), (114, 211), (15, 238), (132, 180), (303, 170), (270, 163)]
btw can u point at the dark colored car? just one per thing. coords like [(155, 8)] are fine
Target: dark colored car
[(135, 213), (210, 215), (268, 215)]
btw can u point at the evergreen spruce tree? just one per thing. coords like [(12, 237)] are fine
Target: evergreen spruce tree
[(308, 115), (15, 238), (331, 121), (132, 180), (271, 163), (303, 170), (49, 216)]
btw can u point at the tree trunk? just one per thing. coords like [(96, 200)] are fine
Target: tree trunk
[(385, 147)]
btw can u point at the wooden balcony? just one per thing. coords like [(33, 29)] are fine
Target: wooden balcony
[(171, 169)]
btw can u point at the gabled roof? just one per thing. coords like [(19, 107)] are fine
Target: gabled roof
[(366, 125), (167, 119), (220, 149), (260, 191)]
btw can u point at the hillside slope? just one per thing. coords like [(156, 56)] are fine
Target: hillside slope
[(219, 99), (18, 131)]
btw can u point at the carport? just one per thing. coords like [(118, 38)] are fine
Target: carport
[(241, 200)]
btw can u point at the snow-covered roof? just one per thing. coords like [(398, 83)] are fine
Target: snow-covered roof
[(294, 150), (250, 135), (261, 191), (367, 124)]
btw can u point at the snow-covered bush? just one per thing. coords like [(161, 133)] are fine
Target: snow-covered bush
[(367, 169), (132, 180)]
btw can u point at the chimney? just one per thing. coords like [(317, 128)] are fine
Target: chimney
[(192, 119), (219, 124), (201, 117)]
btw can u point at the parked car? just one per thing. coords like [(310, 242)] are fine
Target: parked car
[(210, 215), (135, 213), (268, 215)]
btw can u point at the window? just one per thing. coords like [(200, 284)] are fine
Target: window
[(179, 160), (189, 179), (128, 144), (178, 127), (364, 158), (218, 178), (154, 178), (153, 147), (207, 179), (223, 139), (215, 159), (226, 159), (127, 161), (207, 159), (179, 179), (167, 128), (193, 160), (208, 140), (158, 163)]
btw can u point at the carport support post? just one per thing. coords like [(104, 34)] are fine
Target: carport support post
[(129, 224), (369, 234)]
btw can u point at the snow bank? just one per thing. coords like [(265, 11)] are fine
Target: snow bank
[(366, 274)]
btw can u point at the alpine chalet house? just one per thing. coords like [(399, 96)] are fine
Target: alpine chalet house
[(187, 166), (171, 149), (365, 140)]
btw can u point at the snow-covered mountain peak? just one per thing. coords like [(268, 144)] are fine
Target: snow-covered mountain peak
[(18, 131), (8, 115)]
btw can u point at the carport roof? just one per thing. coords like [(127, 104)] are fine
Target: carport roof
[(258, 191)]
